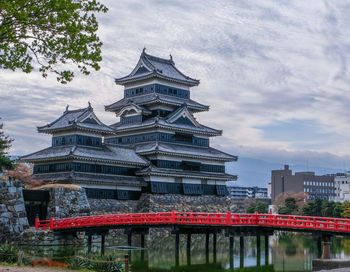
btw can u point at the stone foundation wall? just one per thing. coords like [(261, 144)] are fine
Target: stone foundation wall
[(184, 203), (13, 216), (162, 203), (67, 202), (108, 206)]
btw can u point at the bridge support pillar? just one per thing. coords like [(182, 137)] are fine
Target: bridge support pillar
[(326, 248), (143, 246), (177, 248), (188, 249), (207, 248), (89, 242), (103, 243), (241, 251), (214, 247), (231, 252), (319, 247), (258, 250), (266, 249)]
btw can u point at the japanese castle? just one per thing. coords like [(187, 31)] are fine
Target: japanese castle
[(157, 146)]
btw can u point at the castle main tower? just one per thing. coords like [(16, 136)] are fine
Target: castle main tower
[(157, 121)]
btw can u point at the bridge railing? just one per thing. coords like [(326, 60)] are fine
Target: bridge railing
[(196, 218)]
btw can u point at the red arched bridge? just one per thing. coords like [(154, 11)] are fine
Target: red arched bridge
[(199, 219)]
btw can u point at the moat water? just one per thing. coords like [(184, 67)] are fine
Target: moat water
[(287, 252)]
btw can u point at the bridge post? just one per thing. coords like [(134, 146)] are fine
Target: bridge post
[(319, 247), (241, 251), (207, 248), (231, 251), (266, 249), (188, 251), (214, 247), (89, 242), (103, 243), (129, 238), (177, 241), (143, 246), (326, 248), (258, 250)]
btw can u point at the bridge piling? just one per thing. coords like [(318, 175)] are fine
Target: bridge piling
[(319, 247), (258, 250), (326, 248), (207, 248), (177, 248), (241, 251), (214, 247), (188, 249), (142, 238), (103, 243), (231, 251), (266, 249), (89, 242)]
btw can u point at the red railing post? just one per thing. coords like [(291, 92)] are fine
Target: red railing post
[(228, 218), (173, 218), (37, 223), (52, 223)]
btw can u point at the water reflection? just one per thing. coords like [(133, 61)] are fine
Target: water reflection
[(287, 252)]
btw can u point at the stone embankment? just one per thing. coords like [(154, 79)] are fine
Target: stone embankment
[(13, 216), (162, 203), (67, 201)]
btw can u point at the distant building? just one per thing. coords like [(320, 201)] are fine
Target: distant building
[(247, 192), (269, 190), (342, 186), (283, 181)]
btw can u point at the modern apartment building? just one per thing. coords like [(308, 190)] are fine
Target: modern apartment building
[(284, 181)]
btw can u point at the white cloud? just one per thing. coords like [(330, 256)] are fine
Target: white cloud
[(260, 63)]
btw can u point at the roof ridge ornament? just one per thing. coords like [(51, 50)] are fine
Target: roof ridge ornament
[(67, 107), (89, 105)]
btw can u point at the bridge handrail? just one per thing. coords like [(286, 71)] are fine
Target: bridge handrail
[(198, 218)]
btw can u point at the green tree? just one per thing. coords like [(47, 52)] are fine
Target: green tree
[(5, 144), (346, 209), (338, 209), (317, 207), (54, 33), (251, 208), (261, 207), (327, 208)]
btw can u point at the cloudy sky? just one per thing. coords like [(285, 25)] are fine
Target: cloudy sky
[(274, 72)]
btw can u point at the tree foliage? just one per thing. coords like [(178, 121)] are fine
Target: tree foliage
[(25, 174), (5, 144), (346, 209), (260, 207), (54, 33), (290, 203), (323, 208)]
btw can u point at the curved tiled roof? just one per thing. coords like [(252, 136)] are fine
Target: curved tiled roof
[(158, 122), (183, 151), (152, 98), (74, 119), (107, 153), (92, 178), (155, 171), (150, 66)]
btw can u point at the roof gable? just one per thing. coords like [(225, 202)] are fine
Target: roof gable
[(81, 118), (183, 116)]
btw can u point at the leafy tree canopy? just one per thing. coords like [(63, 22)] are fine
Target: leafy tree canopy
[(5, 144), (52, 32)]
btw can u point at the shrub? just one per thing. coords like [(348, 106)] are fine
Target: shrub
[(8, 253)]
